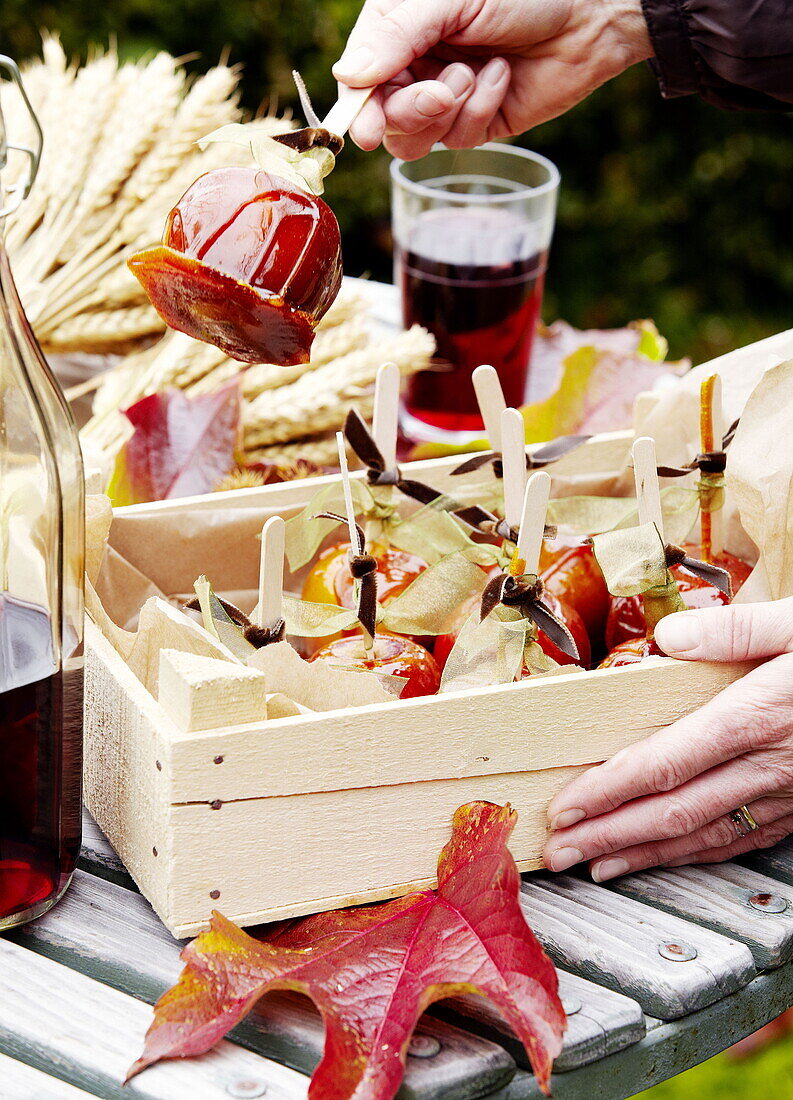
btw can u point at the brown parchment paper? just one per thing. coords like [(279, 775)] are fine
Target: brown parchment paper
[(760, 482)]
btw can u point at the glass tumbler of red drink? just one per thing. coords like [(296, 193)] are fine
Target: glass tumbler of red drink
[(472, 229)]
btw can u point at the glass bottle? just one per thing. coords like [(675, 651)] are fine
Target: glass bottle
[(41, 600)]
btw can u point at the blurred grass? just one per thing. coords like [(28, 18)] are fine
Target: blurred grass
[(765, 1074), (670, 210)]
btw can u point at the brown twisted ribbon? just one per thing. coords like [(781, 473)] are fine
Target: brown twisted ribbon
[(705, 570), (708, 462), (311, 137), (363, 568), (524, 594), (543, 456), (362, 442), (258, 636), (480, 519)]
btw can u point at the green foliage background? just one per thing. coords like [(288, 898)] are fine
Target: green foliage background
[(672, 210)]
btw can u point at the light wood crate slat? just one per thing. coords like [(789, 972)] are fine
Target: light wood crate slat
[(718, 898), (535, 726), (19, 1081), (669, 1048), (73, 1027), (113, 935), (615, 941)]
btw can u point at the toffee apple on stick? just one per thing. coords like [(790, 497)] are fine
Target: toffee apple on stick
[(386, 654), (329, 579), (653, 561), (625, 616), (568, 568), (251, 257), (513, 456)]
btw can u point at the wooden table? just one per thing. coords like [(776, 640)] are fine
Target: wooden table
[(658, 972)]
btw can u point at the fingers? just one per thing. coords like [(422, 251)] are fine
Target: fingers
[(764, 837), (739, 632), (720, 833), (389, 36), (411, 118), (469, 122), (662, 817), (752, 712), (474, 120)]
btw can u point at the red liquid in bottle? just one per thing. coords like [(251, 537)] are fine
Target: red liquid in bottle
[(475, 280), (40, 764)]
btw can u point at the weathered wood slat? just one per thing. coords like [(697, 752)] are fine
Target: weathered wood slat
[(718, 897), (99, 857), (73, 1027), (600, 1022), (669, 1048), (776, 862), (615, 941), (19, 1081), (114, 935)]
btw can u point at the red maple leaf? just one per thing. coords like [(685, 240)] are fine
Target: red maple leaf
[(182, 446), (372, 971)]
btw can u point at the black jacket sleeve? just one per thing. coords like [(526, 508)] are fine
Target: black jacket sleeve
[(736, 54)]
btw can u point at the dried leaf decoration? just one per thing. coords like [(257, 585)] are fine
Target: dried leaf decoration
[(182, 446), (373, 970)]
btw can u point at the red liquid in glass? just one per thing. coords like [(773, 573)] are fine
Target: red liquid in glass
[(475, 280), (40, 763)]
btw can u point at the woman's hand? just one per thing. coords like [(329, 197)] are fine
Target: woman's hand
[(665, 800), (463, 72)]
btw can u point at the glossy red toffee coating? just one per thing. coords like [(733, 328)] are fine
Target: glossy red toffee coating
[(570, 617), (570, 572), (626, 615), (392, 655), (330, 581), (248, 263), (631, 652)]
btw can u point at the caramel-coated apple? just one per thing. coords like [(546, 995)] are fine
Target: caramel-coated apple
[(329, 580), (568, 615), (626, 614), (391, 655), (248, 262), (572, 574)]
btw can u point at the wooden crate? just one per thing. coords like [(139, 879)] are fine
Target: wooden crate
[(296, 815)]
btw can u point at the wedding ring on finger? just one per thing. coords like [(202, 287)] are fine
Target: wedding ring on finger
[(742, 821)]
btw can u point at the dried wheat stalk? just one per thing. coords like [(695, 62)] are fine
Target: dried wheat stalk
[(319, 401), (287, 412), (320, 450)]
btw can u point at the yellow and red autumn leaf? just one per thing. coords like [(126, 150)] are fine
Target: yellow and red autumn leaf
[(373, 970), (181, 446)]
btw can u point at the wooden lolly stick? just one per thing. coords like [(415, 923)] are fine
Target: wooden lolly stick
[(348, 504), (271, 574), (513, 453), (490, 398), (648, 492), (346, 109), (532, 523), (385, 421), (712, 429), (357, 548)]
